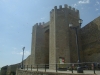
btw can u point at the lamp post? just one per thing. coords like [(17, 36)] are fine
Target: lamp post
[(22, 57), (79, 68)]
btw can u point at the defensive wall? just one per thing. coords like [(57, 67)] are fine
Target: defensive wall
[(90, 37), (27, 60)]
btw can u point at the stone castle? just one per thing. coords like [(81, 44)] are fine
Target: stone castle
[(55, 39)]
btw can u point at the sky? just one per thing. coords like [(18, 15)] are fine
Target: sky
[(18, 16)]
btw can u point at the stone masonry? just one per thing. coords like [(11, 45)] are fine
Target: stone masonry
[(90, 37), (59, 45), (40, 44)]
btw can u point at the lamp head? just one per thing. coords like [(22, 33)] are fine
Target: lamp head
[(23, 48), (80, 21), (70, 25)]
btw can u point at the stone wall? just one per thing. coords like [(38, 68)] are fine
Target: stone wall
[(46, 46), (39, 45), (52, 57), (33, 45), (90, 36), (73, 18), (27, 60)]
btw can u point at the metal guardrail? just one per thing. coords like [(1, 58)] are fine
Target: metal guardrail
[(68, 66)]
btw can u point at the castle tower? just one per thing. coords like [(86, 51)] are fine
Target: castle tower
[(37, 44), (62, 42), (40, 44)]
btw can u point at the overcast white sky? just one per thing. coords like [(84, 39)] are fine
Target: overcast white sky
[(18, 16)]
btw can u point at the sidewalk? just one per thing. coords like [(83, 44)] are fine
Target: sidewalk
[(67, 71)]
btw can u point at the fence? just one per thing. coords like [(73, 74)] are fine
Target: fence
[(66, 67)]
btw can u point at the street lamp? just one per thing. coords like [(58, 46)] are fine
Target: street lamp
[(79, 68), (22, 57)]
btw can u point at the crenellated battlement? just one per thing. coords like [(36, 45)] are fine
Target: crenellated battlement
[(64, 8), (60, 6), (39, 24), (46, 24), (52, 11)]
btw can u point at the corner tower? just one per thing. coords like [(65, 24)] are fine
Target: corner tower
[(40, 44), (37, 45), (60, 38)]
